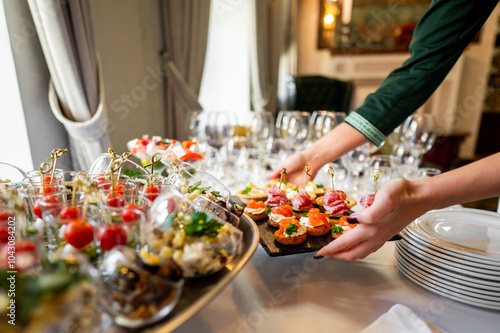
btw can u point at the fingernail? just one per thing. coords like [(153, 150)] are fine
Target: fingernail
[(318, 257), (352, 219)]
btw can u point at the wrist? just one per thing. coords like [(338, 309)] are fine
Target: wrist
[(421, 196)]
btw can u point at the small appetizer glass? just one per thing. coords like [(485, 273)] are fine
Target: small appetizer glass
[(138, 290), (192, 181), (69, 230), (199, 242)]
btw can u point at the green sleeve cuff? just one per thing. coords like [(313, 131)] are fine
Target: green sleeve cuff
[(366, 128)]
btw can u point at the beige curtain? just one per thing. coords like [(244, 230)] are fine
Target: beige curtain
[(185, 26), (268, 41), (75, 93)]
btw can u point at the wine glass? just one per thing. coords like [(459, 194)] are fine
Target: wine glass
[(418, 132), (219, 127), (422, 173), (194, 123), (298, 130), (405, 160), (322, 122), (355, 162), (383, 163), (262, 127)]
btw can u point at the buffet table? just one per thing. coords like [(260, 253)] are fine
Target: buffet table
[(297, 293)]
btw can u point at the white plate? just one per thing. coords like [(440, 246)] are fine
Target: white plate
[(468, 231), (471, 257), (452, 287), (481, 286), (443, 292), (454, 260), (452, 267)]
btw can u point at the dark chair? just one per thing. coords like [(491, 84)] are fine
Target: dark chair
[(310, 93)]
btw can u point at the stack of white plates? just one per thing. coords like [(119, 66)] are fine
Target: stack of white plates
[(455, 253)]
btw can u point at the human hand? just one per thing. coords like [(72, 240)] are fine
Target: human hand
[(396, 205), (295, 168)]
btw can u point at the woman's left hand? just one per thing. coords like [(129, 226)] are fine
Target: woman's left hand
[(396, 205)]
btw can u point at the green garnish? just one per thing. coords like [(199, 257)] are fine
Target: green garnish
[(292, 227), (268, 210), (320, 186), (195, 187), (246, 190), (295, 189), (284, 182), (216, 194), (200, 224), (336, 229), (131, 173), (304, 214)]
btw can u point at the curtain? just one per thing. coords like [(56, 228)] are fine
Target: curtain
[(75, 93), (185, 28), (268, 39)]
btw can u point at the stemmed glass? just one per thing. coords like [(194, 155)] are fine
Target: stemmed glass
[(322, 122), (355, 162), (219, 127), (384, 163), (418, 132), (293, 127), (411, 141)]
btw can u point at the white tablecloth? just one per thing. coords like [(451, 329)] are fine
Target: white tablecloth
[(299, 294)]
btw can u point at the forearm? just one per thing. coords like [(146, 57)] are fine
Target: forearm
[(475, 181), (339, 141)]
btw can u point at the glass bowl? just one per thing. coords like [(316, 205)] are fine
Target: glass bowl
[(136, 293), (198, 241)]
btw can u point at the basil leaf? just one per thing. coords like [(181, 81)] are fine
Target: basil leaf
[(292, 227), (200, 224), (336, 229), (246, 190), (131, 173), (216, 194)]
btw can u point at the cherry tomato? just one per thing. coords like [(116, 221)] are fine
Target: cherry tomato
[(152, 189), (25, 255), (5, 216), (119, 189), (79, 233), (111, 235), (152, 192), (70, 213), (115, 201), (48, 199), (4, 234), (48, 190), (130, 213)]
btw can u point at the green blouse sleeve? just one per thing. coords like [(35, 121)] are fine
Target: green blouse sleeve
[(438, 41)]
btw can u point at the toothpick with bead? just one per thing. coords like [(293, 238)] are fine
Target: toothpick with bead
[(308, 175), (44, 169), (331, 173), (154, 159), (282, 175), (124, 157), (376, 175), (57, 155)]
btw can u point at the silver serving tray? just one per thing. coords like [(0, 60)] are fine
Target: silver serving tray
[(198, 292)]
